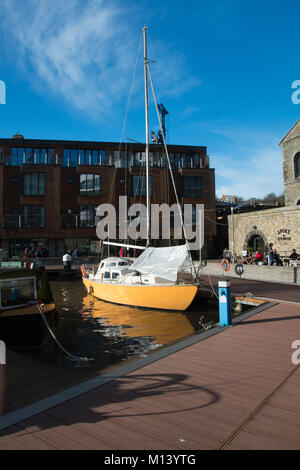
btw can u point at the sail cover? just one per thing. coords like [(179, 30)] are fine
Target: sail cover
[(162, 262)]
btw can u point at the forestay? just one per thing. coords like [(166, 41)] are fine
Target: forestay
[(162, 262)]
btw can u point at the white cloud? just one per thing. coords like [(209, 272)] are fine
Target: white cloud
[(252, 164), (84, 52)]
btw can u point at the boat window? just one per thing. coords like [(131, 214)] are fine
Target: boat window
[(111, 264), (101, 265), (114, 275), (106, 275), (123, 263), (17, 292)]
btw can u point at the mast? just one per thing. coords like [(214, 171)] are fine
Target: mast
[(147, 134)]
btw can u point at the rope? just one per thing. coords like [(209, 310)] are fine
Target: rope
[(170, 168), (41, 309)]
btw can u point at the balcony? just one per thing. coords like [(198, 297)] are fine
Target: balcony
[(69, 221), (16, 221)]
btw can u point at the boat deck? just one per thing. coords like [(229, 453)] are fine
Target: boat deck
[(237, 389)]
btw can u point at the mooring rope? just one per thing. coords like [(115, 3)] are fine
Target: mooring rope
[(41, 308)]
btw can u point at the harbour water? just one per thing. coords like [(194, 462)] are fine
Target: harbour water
[(108, 334)]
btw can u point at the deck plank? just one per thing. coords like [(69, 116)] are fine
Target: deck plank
[(194, 398)]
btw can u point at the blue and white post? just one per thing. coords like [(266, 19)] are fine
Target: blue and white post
[(2, 376), (224, 303)]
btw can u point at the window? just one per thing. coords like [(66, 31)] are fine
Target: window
[(16, 156), (34, 184), (17, 292), (89, 185), (74, 157), (297, 165), (33, 216), (87, 216), (29, 156), (51, 159), (139, 186), (70, 158), (192, 186)]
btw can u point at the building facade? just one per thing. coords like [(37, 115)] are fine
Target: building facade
[(281, 225), (290, 146), (50, 190)]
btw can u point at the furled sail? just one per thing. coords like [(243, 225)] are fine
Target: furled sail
[(162, 262)]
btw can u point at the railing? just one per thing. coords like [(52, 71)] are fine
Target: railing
[(13, 221)]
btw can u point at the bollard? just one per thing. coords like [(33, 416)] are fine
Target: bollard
[(2, 376), (224, 303)]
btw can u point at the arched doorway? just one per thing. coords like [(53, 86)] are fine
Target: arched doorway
[(255, 241)]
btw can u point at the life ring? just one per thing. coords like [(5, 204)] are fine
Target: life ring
[(225, 265)]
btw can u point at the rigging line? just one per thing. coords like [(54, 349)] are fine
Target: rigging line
[(125, 122), (131, 90), (170, 168)]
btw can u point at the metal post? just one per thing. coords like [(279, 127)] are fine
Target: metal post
[(224, 303), (232, 233), (147, 133), (2, 376)]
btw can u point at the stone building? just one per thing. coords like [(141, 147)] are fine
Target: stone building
[(290, 146), (281, 225)]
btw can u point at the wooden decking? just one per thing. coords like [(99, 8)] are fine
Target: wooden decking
[(237, 389)]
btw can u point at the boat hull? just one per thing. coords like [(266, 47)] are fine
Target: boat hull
[(173, 297)]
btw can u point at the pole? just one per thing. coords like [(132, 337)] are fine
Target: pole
[(232, 233), (224, 303), (147, 134)]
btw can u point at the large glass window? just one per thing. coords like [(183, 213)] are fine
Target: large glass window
[(29, 156), (74, 157), (34, 184), (192, 186), (33, 216), (87, 216), (139, 186), (16, 156), (51, 160), (17, 292), (89, 185)]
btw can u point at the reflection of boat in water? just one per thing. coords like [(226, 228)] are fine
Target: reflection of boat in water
[(21, 324), (160, 326)]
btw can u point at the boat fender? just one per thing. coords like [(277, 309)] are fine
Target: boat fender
[(225, 265)]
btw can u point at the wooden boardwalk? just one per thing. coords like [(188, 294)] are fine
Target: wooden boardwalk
[(237, 389)]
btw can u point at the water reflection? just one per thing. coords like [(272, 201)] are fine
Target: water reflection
[(109, 333)]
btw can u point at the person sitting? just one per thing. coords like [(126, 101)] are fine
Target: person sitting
[(258, 257), (293, 254)]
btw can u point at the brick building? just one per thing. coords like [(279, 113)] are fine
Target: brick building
[(50, 189)]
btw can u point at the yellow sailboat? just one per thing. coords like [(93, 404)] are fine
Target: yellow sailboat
[(158, 277)]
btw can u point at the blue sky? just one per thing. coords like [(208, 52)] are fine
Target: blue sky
[(223, 69)]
